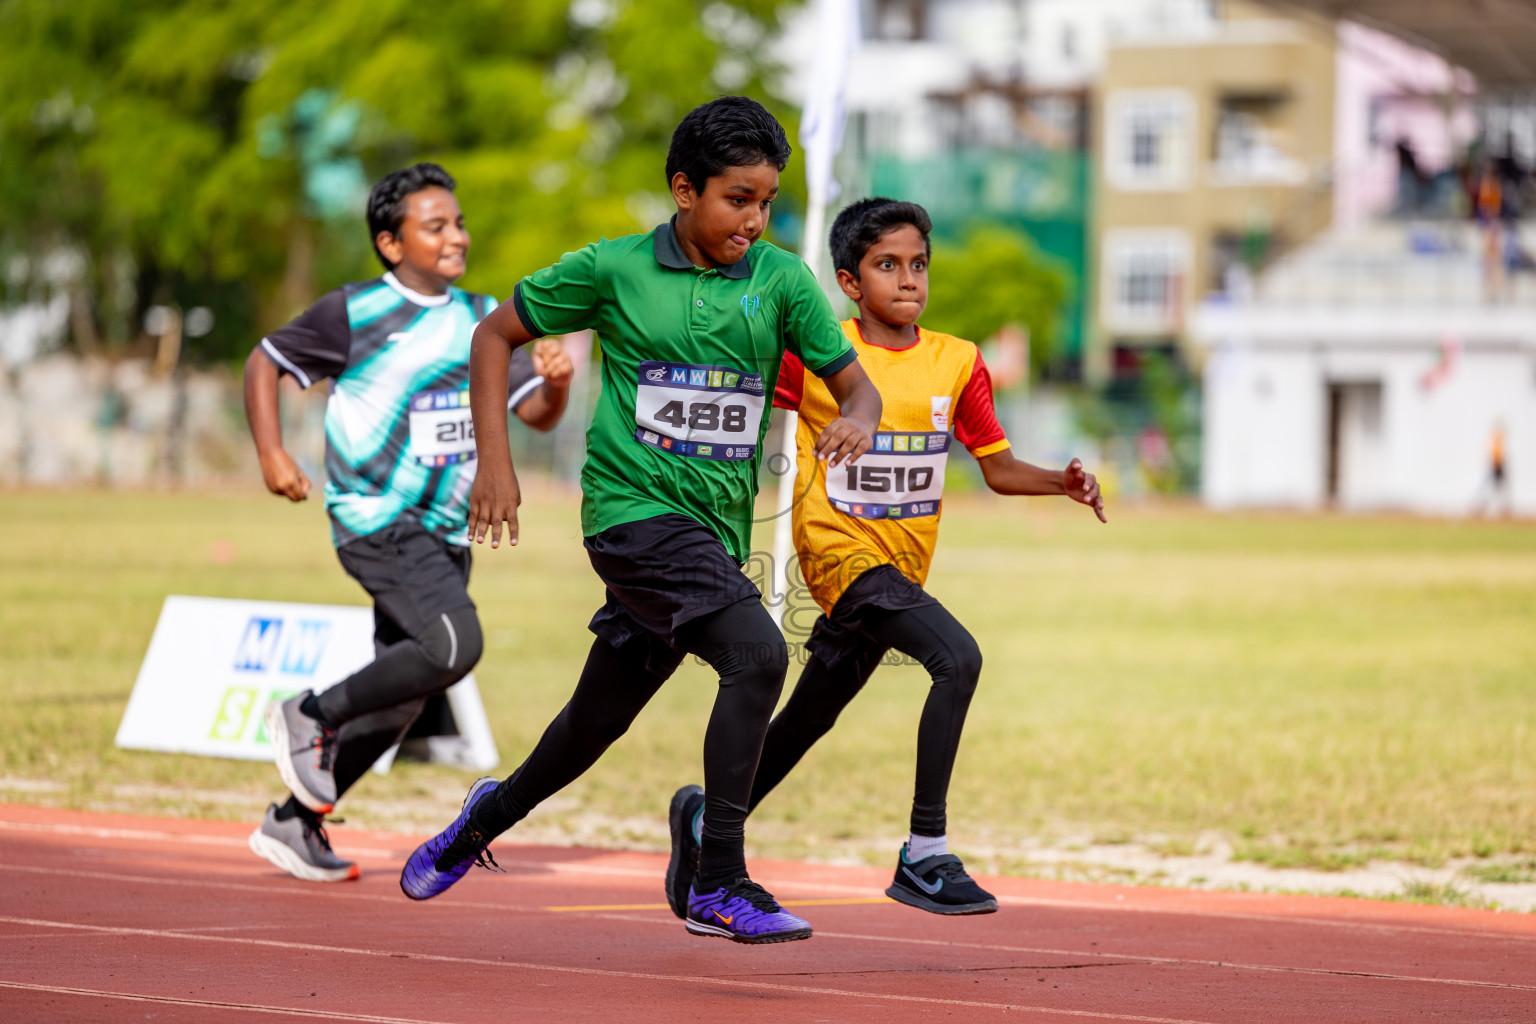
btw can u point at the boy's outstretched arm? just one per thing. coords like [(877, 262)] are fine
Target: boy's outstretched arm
[(494, 498), (1008, 475), (542, 409), (278, 470), (859, 407)]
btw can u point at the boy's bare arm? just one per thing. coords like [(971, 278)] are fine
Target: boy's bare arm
[(859, 406), (1008, 475), (494, 498), (278, 470), (542, 409)]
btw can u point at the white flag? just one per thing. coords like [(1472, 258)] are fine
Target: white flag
[(821, 136), (821, 121)]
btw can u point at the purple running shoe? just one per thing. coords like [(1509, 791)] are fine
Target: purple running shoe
[(448, 856), (743, 912)]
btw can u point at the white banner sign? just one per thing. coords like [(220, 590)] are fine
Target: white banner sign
[(214, 664)]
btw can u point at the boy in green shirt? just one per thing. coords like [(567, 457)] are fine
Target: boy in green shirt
[(694, 318)]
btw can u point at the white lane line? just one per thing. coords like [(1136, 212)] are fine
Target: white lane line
[(1236, 965), (1136, 957), (148, 835), (788, 883), (230, 928), (210, 1004), (778, 989), (305, 890), (852, 936)]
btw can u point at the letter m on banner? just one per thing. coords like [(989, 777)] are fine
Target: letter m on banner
[(258, 644)]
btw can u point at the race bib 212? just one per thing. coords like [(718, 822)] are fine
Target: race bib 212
[(442, 430)]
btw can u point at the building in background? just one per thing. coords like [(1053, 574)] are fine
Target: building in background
[(981, 111), (1371, 371), (1391, 362), (1215, 145)]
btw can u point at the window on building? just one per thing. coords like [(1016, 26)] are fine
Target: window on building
[(1146, 281), (1148, 138), (1226, 254), (899, 20), (1145, 138), (1253, 142), (1145, 271), (1236, 256)]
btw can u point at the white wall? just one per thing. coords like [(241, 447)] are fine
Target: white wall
[(1263, 430), (1266, 423)]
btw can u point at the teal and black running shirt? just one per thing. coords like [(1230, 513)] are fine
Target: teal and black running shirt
[(399, 441)]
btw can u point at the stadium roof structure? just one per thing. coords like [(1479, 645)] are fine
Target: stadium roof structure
[(1493, 39)]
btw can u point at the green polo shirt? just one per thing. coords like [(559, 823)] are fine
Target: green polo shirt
[(690, 360)]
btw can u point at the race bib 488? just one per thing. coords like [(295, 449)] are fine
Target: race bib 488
[(901, 477), (703, 412)]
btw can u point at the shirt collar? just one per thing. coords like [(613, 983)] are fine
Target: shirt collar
[(411, 295), (669, 253)]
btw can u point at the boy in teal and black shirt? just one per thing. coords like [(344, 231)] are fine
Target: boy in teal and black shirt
[(399, 461), (694, 318)]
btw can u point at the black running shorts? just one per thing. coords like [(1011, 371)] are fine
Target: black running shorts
[(877, 591), (661, 573), (412, 575)]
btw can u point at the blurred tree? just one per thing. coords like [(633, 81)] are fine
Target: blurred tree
[(201, 154), (995, 277)]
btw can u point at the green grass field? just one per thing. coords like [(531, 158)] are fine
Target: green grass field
[(1318, 691)]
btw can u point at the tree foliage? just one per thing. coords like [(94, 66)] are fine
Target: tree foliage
[(993, 277), (213, 153)]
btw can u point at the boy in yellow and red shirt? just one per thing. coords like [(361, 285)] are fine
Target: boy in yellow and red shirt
[(866, 535)]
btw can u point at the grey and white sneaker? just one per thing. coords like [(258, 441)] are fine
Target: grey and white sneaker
[(305, 752), (300, 848)]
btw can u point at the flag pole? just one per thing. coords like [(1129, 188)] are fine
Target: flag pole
[(821, 135), (783, 540)]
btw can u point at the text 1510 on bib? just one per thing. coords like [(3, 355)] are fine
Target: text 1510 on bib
[(901, 477)]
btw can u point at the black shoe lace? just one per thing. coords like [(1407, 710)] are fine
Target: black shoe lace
[(316, 828), (952, 872), (469, 842), (756, 895)]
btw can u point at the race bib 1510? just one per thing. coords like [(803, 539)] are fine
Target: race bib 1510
[(703, 412), (901, 477), (442, 431)]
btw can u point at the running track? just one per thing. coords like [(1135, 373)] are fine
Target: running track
[(112, 918)]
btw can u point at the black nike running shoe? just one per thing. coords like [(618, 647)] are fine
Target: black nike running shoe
[(939, 885)]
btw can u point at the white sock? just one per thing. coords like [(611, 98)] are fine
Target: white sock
[(919, 847)]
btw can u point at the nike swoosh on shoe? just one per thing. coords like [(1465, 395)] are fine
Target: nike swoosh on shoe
[(929, 889)]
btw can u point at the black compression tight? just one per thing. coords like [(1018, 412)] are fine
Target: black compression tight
[(743, 645), (415, 666), (949, 653)]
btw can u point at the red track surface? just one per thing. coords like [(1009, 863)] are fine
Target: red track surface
[(113, 918)]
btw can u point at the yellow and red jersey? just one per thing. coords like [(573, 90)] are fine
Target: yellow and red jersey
[(885, 509)]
